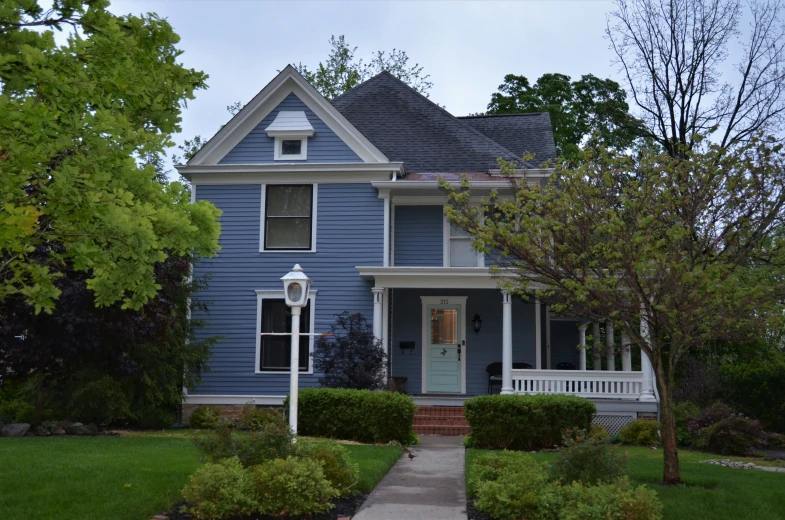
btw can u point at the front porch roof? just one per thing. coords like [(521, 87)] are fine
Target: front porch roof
[(434, 277)]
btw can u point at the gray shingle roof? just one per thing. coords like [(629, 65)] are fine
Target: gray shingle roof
[(406, 126), (519, 133)]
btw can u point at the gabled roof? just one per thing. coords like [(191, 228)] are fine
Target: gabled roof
[(519, 133), (288, 81), (406, 126)]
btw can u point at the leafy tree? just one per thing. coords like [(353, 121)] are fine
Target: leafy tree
[(352, 357), (674, 54), (107, 364), (81, 122), (686, 247), (589, 108), (342, 71)]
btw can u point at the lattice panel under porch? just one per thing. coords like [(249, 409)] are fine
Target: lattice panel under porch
[(613, 423)]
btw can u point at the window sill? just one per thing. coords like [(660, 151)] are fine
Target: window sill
[(282, 372), (287, 250)]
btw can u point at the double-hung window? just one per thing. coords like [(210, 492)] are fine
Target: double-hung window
[(461, 250), (288, 217), (275, 351)]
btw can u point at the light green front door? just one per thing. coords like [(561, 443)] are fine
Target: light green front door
[(444, 348)]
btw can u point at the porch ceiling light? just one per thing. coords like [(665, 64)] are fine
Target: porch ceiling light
[(296, 286), (477, 323)]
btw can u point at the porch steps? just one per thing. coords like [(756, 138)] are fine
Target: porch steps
[(440, 420)]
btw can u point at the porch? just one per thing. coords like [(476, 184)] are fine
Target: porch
[(444, 327)]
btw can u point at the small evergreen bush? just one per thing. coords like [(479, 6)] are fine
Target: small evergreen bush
[(489, 467), (735, 435), (336, 463), (252, 418), (642, 432), (516, 492), (205, 418), (525, 422), (358, 415), (611, 501), (588, 462), (218, 491), (598, 433), (270, 441), (291, 486)]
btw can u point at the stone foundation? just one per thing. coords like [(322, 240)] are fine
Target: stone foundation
[(227, 411)]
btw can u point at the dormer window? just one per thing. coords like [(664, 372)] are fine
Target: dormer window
[(291, 130)]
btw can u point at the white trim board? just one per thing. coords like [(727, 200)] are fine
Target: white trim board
[(288, 81), (452, 301), (277, 294), (314, 200)]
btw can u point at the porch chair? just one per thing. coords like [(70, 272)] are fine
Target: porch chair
[(565, 365), (494, 375)]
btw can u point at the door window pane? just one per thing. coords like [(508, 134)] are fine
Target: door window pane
[(288, 222), (444, 326), (276, 350)]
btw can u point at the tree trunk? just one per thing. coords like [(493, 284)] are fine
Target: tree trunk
[(671, 473)]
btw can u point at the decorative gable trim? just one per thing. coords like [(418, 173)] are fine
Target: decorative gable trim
[(287, 82)]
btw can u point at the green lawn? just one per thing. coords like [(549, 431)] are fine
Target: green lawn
[(119, 478), (711, 492)]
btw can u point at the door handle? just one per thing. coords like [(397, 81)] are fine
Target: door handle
[(459, 353)]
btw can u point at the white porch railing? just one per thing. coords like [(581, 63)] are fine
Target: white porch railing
[(583, 383)]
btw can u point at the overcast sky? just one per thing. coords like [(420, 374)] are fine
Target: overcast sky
[(466, 47)]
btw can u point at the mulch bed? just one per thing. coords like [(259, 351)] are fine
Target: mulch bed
[(473, 513), (342, 507)]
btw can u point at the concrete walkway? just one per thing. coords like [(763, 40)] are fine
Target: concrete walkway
[(428, 487)]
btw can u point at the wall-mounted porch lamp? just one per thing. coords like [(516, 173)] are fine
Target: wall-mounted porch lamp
[(296, 286), (477, 323)]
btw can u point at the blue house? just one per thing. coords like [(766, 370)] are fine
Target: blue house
[(348, 189)]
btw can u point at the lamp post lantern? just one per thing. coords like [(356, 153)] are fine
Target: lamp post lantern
[(296, 286)]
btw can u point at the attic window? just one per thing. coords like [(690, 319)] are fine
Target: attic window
[(291, 130)]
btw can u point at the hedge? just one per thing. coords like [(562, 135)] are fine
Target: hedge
[(358, 415), (526, 422)]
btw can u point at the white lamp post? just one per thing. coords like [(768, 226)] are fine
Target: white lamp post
[(296, 286)]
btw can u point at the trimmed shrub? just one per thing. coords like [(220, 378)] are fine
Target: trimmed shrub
[(219, 490), (270, 441), (517, 492), (205, 418), (489, 467), (358, 415), (588, 462), (642, 432), (252, 418), (616, 500), (336, 463), (525, 421), (735, 435), (291, 486), (598, 433)]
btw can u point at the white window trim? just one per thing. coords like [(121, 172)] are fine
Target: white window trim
[(313, 219), (446, 237), (263, 294), (279, 156)]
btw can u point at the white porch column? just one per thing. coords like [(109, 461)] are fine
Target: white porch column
[(537, 335), (582, 343), (548, 337), (647, 391), (384, 194), (506, 343), (378, 298), (610, 347), (626, 354), (597, 351)]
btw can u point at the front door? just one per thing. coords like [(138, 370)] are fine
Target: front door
[(444, 348)]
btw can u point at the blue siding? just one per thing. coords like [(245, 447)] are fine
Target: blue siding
[(481, 349), (323, 147), (348, 234), (419, 236)]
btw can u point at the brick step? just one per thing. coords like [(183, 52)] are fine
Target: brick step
[(442, 417), (441, 430), (450, 411), (443, 421)]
